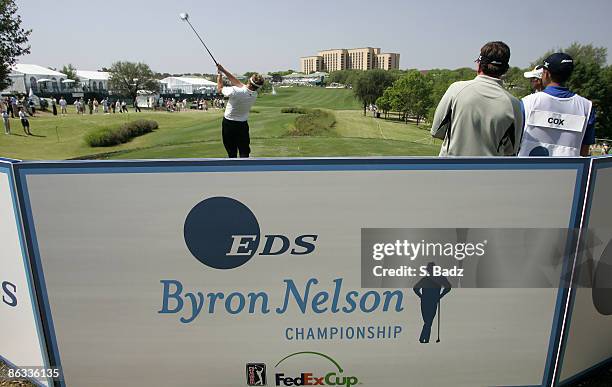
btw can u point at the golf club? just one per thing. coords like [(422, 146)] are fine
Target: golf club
[(185, 17), (437, 341)]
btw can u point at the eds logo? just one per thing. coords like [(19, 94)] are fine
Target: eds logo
[(256, 374), (223, 233)]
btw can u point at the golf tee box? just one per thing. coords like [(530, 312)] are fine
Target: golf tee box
[(247, 272)]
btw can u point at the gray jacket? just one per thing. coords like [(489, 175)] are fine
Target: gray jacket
[(478, 118)]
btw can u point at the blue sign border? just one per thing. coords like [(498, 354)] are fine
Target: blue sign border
[(6, 167)]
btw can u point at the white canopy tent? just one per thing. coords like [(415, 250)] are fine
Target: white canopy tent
[(26, 77), (94, 80), (186, 85)]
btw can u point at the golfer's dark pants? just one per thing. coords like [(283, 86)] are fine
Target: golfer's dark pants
[(236, 138)]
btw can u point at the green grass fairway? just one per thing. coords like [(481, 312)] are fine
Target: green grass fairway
[(198, 134), (311, 97)]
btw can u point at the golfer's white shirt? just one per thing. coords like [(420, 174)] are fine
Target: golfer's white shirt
[(240, 101)]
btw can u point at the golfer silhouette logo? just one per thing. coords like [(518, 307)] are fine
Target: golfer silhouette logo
[(430, 290)]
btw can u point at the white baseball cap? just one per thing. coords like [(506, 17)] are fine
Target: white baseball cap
[(535, 73)]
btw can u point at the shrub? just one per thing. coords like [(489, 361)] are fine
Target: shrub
[(121, 135), (296, 110), (314, 123)]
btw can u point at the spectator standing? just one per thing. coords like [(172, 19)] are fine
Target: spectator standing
[(63, 104), (535, 77), (32, 106), (13, 106), (24, 121), (7, 122), (53, 106), (95, 105), (479, 117), (136, 107)]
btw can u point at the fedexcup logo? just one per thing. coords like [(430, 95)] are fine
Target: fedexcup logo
[(223, 233), (335, 377)]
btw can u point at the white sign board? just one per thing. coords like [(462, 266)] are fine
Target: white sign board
[(229, 274)]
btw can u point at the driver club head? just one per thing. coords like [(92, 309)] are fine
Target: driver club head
[(184, 16)]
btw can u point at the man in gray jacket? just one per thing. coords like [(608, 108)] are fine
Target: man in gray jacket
[(479, 117)]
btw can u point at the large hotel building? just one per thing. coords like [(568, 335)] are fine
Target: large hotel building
[(349, 59)]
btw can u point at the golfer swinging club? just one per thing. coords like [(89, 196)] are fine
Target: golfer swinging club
[(235, 127)]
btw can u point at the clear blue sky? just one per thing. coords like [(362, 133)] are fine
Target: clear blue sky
[(266, 35)]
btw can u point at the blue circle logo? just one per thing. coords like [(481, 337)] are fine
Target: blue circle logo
[(215, 231)]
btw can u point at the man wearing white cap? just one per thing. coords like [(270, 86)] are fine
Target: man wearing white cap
[(235, 127), (535, 77)]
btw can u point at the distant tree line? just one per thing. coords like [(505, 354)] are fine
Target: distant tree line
[(414, 94)]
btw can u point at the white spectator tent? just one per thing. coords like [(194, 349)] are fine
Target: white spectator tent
[(304, 79), (25, 77), (186, 85), (94, 80)]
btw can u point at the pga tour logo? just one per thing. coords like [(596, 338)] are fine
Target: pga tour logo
[(223, 233), (256, 374)]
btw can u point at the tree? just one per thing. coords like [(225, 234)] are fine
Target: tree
[(371, 85), (516, 83), (129, 77), (604, 115), (13, 40), (281, 73), (157, 75), (344, 77), (384, 103), (412, 95), (70, 72)]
